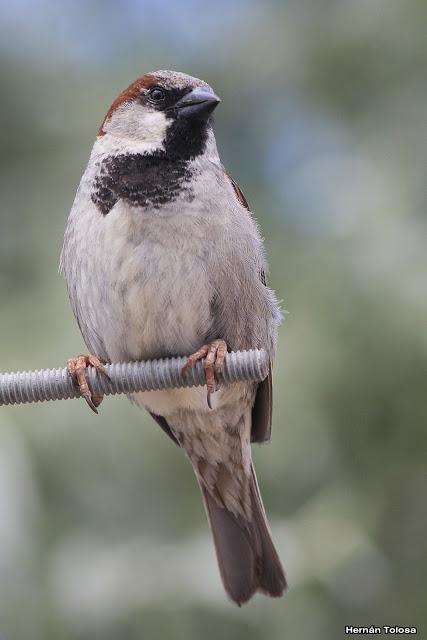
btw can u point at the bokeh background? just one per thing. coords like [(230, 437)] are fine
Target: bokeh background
[(323, 123)]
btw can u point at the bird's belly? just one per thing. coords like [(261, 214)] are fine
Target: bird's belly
[(159, 299), (159, 318), (173, 402)]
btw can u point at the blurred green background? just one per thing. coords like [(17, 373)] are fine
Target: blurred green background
[(102, 530)]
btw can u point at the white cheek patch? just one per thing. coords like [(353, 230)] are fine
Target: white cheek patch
[(138, 123)]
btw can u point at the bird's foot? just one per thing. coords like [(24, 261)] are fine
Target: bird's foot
[(76, 367), (214, 354)]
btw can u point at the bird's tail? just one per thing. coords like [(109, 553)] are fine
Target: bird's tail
[(247, 559)]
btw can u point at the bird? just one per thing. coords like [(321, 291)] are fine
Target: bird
[(163, 257)]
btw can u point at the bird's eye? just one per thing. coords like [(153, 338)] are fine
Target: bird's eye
[(157, 94)]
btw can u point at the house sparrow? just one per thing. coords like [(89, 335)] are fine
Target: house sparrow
[(162, 257)]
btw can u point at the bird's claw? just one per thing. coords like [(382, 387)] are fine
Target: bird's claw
[(214, 354), (76, 367)]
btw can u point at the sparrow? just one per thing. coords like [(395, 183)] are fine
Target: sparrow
[(163, 257)]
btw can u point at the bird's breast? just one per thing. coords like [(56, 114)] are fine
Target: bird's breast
[(159, 291)]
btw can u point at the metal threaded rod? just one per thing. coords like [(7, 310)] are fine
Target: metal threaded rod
[(128, 377)]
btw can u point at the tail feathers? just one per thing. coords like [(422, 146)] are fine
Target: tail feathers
[(247, 559)]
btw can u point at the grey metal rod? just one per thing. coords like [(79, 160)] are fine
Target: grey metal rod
[(128, 377)]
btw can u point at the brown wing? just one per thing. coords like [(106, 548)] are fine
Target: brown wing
[(262, 409), (239, 193)]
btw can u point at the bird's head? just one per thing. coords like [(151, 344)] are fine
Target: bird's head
[(164, 110)]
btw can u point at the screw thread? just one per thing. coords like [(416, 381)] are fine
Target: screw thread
[(128, 377)]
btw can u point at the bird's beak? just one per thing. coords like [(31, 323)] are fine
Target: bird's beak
[(197, 104)]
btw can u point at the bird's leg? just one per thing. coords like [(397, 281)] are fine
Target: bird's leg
[(214, 354), (76, 367)]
